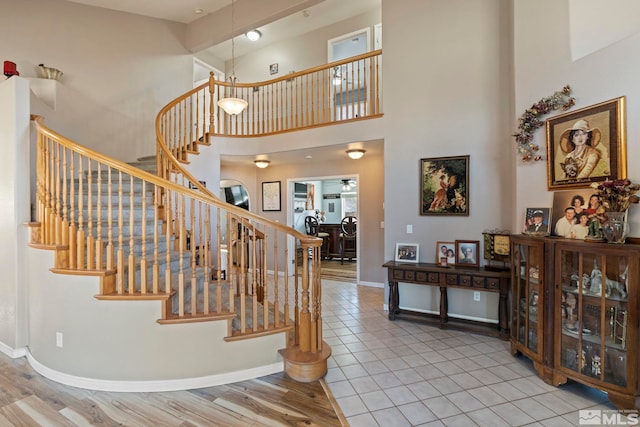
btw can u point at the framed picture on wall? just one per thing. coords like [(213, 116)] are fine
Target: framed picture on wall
[(444, 186), (271, 200), (587, 145)]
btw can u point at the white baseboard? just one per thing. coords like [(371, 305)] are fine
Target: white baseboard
[(13, 353), (152, 386)]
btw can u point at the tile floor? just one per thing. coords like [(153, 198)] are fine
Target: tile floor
[(399, 373)]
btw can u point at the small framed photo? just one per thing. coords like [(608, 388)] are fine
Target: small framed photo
[(536, 221), (587, 145), (273, 68), (467, 253), (407, 252), (271, 200), (445, 253)]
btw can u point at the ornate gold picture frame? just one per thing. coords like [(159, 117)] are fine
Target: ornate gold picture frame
[(587, 145)]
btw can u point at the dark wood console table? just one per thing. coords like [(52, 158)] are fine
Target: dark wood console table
[(478, 279)]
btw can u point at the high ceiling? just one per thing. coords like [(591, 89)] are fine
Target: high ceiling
[(322, 14)]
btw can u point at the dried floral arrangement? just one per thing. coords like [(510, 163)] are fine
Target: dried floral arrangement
[(530, 121), (617, 195)]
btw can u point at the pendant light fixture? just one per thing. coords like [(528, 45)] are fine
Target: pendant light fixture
[(233, 105)]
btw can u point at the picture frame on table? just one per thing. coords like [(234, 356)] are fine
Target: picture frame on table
[(445, 253), (467, 253), (271, 196), (599, 128), (444, 186), (407, 252)]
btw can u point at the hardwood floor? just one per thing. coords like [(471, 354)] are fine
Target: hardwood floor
[(333, 270), (28, 399)]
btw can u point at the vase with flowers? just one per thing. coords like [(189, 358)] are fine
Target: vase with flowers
[(616, 197)]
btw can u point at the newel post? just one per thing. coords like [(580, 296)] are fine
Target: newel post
[(305, 360)]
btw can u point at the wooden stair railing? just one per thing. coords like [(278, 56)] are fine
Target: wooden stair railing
[(339, 92), (150, 238), (300, 100)]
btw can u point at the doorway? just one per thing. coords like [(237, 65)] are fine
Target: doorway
[(328, 199)]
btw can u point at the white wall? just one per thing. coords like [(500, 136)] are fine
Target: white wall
[(14, 213), (119, 69), (447, 89), (543, 64)]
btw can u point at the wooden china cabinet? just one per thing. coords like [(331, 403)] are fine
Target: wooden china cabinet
[(595, 317), (528, 299), (586, 326)]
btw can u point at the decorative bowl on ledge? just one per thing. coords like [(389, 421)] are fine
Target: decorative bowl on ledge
[(50, 73)]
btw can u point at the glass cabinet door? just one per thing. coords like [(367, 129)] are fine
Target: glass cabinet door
[(593, 311), (527, 296)]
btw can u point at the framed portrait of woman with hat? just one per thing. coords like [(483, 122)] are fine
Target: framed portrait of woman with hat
[(587, 145)]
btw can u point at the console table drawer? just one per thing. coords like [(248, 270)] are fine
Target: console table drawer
[(493, 283), (428, 277), (402, 275), (458, 279), (452, 279)]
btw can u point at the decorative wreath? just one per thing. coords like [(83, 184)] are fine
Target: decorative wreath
[(530, 121)]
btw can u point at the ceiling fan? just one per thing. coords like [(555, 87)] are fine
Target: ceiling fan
[(348, 183)]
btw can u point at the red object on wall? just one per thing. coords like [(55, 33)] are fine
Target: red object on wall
[(10, 69)]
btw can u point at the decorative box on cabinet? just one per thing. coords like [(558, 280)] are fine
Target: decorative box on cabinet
[(529, 296), (595, 318)]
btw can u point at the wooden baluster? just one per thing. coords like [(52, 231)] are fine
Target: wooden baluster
[(287, 318), (90, 239), (120, 253), (144, 280), (110, 254), (377, 107), (243, 278), (255, 264), (168, 233), (156, 265), (276, 302), (227, 268), (300, 258), (131, 288), (181, 245), (191, 126), (73, 230), (265, 283), (81, 248), (47, 204), (315, 286), (65, 206), (212, 105), (305, 316), (194, 282), (99, 246), (58, 210), (203, 251)]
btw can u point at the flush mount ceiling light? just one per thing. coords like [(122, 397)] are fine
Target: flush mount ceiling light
[(345, 185), (231, 104), (262, 163), (253, 35), (356, 153)]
